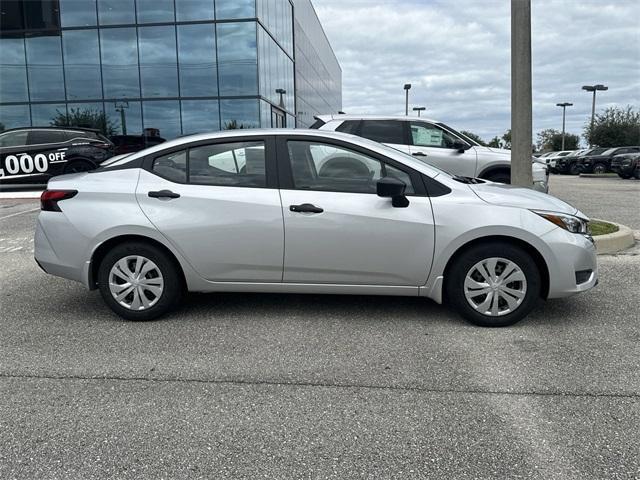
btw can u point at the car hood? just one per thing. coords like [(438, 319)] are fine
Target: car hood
[(511, 196)]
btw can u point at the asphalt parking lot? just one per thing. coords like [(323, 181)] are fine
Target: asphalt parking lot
[(292, 386)]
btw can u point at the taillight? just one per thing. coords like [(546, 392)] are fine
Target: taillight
[(50, 198)]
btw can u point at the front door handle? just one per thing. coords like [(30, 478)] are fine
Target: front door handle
[(305, 208), (419, 154), (164, 194)]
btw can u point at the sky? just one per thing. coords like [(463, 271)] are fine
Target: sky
[(456, 54)]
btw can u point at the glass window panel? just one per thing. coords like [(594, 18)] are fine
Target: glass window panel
[(235, 9), (197, 57), (383, 131), (120, 62), (199, 116), (152, 11), (87, 115), (124, 117), (44, 60), (14, 116), (14, 139), (13, 71), (173, 166), (187, 10), (82, 64), (426, 135), (158, 64), (45, 115), (78, 13), (42, 15), (240, 164), (11, 15), (113, 12), (163, 116), (239, 114), (237, 58)]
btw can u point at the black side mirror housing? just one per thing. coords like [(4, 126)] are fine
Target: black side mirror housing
[(388, 187), (461, 146)]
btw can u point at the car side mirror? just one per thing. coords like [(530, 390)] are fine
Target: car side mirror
[(388, 187), (461, 146)]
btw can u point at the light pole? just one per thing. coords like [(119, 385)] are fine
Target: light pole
[(564, 108), (407, 87), (594, 89), (120, 106), (419, 109), (281, 91)]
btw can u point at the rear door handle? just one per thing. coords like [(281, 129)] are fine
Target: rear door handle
[(164, 194), (419, 154), (305, 208)]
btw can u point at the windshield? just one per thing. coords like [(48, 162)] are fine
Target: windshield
[(409, 160), (608, 152)]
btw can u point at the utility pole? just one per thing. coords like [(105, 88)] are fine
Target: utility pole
[(407, 87), (564, 108), (419, 109), (120, 106), (521, 115), (594, 89)]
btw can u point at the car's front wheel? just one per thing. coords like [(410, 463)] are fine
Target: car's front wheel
[(493, 285), (574, 169), (599, 168), (139, 281)]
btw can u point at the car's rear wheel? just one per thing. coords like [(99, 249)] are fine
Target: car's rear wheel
[(574, 169), (493, 285), (139, 281), (599, 168), (624, 175), (502, 177), (77, 166)]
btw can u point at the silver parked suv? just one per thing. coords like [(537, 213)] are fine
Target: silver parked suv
[(307, 211), (436, 144)]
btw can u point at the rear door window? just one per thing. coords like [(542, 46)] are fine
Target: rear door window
[(14, 139), (238, 164), (39, 137), (172, 166), (383, 131)]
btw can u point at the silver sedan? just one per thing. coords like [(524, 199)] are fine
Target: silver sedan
[(307, 211)]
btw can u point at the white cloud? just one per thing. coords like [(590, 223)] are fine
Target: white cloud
[(456, 54)]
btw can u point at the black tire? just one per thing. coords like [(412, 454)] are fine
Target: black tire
[(464, 262), (636, 174), (574, 169), (77, 166), (600, 168), (626, 176), (172, 291), (499, 178)]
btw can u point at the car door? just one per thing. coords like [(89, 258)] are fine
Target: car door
[(337, 230), (434, 145), (218, 204)]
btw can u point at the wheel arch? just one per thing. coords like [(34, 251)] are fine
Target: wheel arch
[(101, 251), (495, 169), (530, 249)]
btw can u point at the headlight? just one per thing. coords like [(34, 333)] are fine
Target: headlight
[(567, 222)]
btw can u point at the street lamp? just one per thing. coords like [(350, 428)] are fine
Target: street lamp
[(407, 87), (120, 106), (594, 89), (564, 108), (281, 91), (419, 109)]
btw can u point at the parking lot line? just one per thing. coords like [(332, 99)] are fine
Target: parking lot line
[(19, 213)]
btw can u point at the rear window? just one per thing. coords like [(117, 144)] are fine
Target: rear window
[(317, 124), (349, 126)]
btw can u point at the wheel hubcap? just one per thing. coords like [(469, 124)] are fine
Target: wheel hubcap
[(136, 282), (495, 286)]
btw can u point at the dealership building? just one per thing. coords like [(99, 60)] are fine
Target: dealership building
[(166, 67)]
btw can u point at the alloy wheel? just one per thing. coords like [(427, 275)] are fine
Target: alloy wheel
[(136, 282), (495, 286)]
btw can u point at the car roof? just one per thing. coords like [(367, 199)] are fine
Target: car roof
[(344, 116)]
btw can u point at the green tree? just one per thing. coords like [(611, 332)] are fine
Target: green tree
[(86, 118), (474, 137), (494, 142), (233, 125), (615, 127), (550, 140), (506, 140)]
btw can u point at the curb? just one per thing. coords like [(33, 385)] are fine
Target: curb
[(616, 241), (598, 175)]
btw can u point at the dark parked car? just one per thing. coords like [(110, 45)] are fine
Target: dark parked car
[(32, 155), (602, 163), (626, 165), (571, 164), (134, 143)]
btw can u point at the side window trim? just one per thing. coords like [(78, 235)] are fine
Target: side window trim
[(285, 175)]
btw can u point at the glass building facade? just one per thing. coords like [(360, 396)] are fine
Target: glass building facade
[(165, 67)]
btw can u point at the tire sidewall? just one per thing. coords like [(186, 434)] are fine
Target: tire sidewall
[(599, 168), (173, 286), (454, 284)]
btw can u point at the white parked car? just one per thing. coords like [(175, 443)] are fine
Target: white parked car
[(436, 144), (307, 211)]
